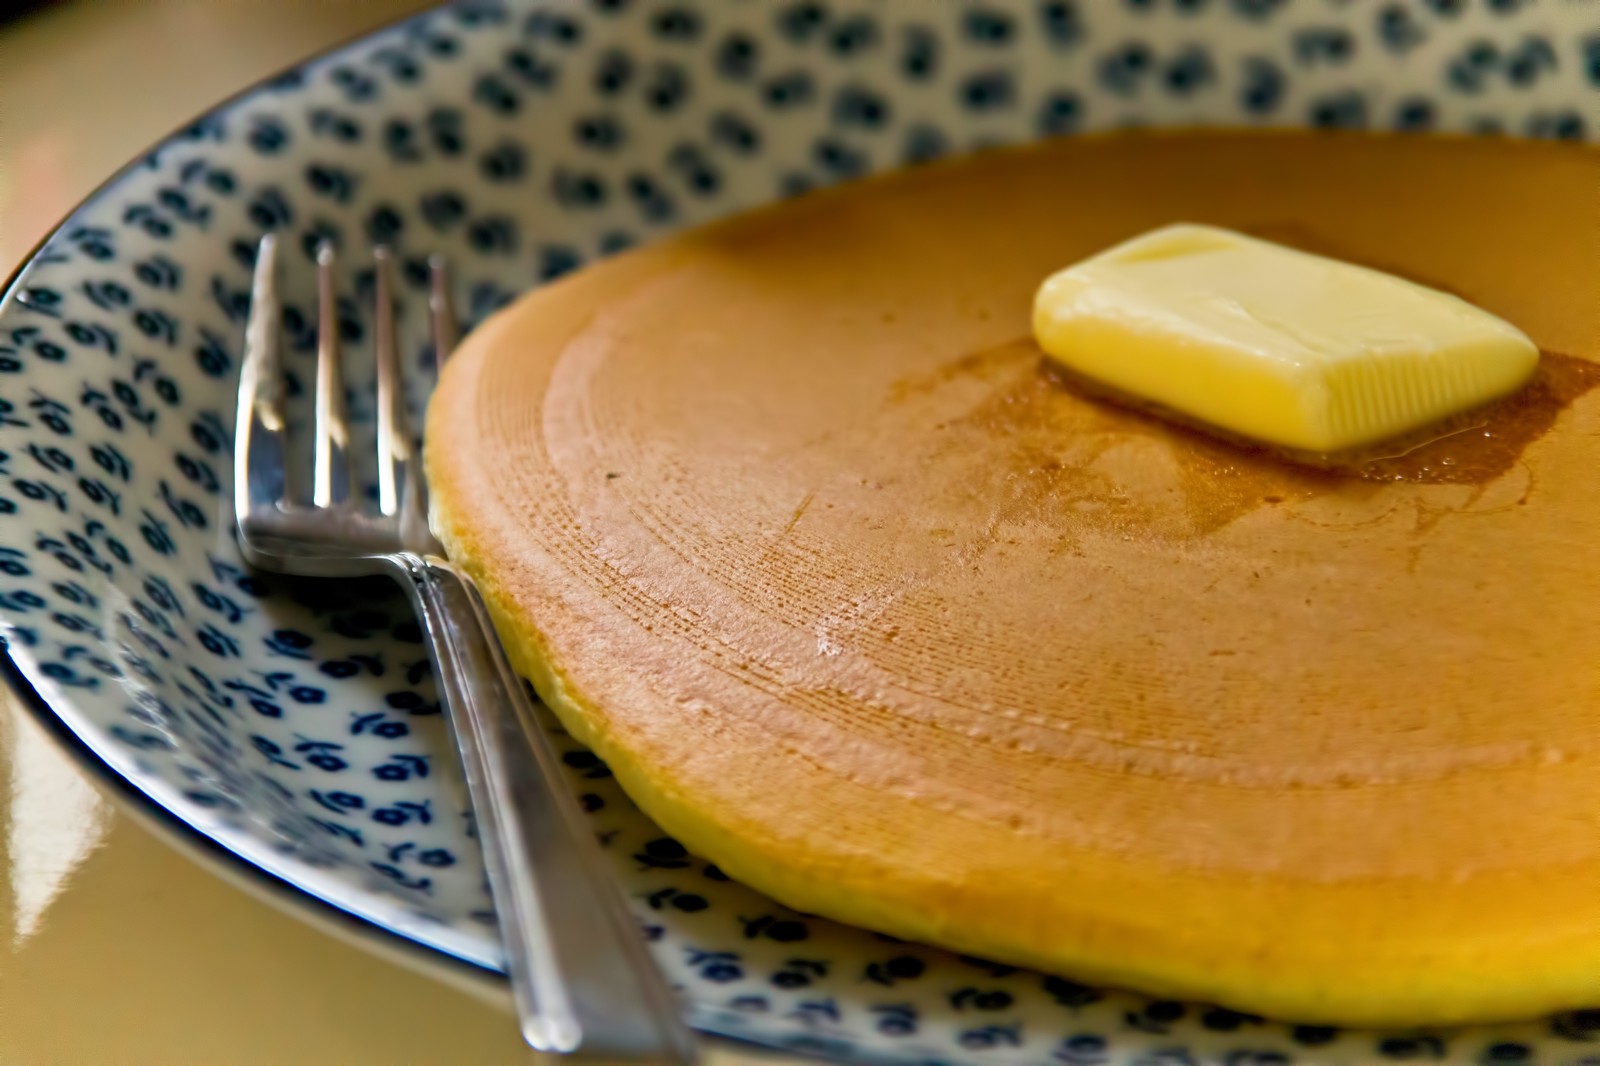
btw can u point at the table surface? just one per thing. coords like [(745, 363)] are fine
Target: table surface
[(114, 946)]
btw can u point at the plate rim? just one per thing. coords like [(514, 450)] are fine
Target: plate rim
[(225, 853)]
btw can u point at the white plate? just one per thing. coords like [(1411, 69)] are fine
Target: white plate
[(293, 727)]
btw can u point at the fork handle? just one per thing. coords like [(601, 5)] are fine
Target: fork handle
[(581, 975)]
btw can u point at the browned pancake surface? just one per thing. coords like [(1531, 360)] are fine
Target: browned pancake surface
[(791, 523)]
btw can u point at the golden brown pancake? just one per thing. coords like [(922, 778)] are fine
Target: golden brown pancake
[(786, 519)]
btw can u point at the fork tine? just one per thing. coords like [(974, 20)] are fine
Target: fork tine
[(259, 480), (441, 311), (331, 455), (397, 473)]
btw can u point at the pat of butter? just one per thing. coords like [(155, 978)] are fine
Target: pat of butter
[(1275, 344)]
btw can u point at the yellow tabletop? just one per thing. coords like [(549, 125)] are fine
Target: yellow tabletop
[(114, 946)]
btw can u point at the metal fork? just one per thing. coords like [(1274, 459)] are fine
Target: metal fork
[(580, 973)]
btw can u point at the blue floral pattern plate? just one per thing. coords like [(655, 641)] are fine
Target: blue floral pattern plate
[(295, 725)]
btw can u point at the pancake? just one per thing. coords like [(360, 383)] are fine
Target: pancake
[(787, 519)]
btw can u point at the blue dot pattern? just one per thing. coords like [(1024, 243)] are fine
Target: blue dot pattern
[(296, 724)]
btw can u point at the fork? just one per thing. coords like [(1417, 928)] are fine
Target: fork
[(581, 976)]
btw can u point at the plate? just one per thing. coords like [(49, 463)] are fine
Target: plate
[(293, 725)]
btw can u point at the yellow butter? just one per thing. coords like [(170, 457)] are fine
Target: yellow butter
[(1274, 344)]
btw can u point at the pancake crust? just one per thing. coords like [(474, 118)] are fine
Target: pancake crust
[(786, 519)]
